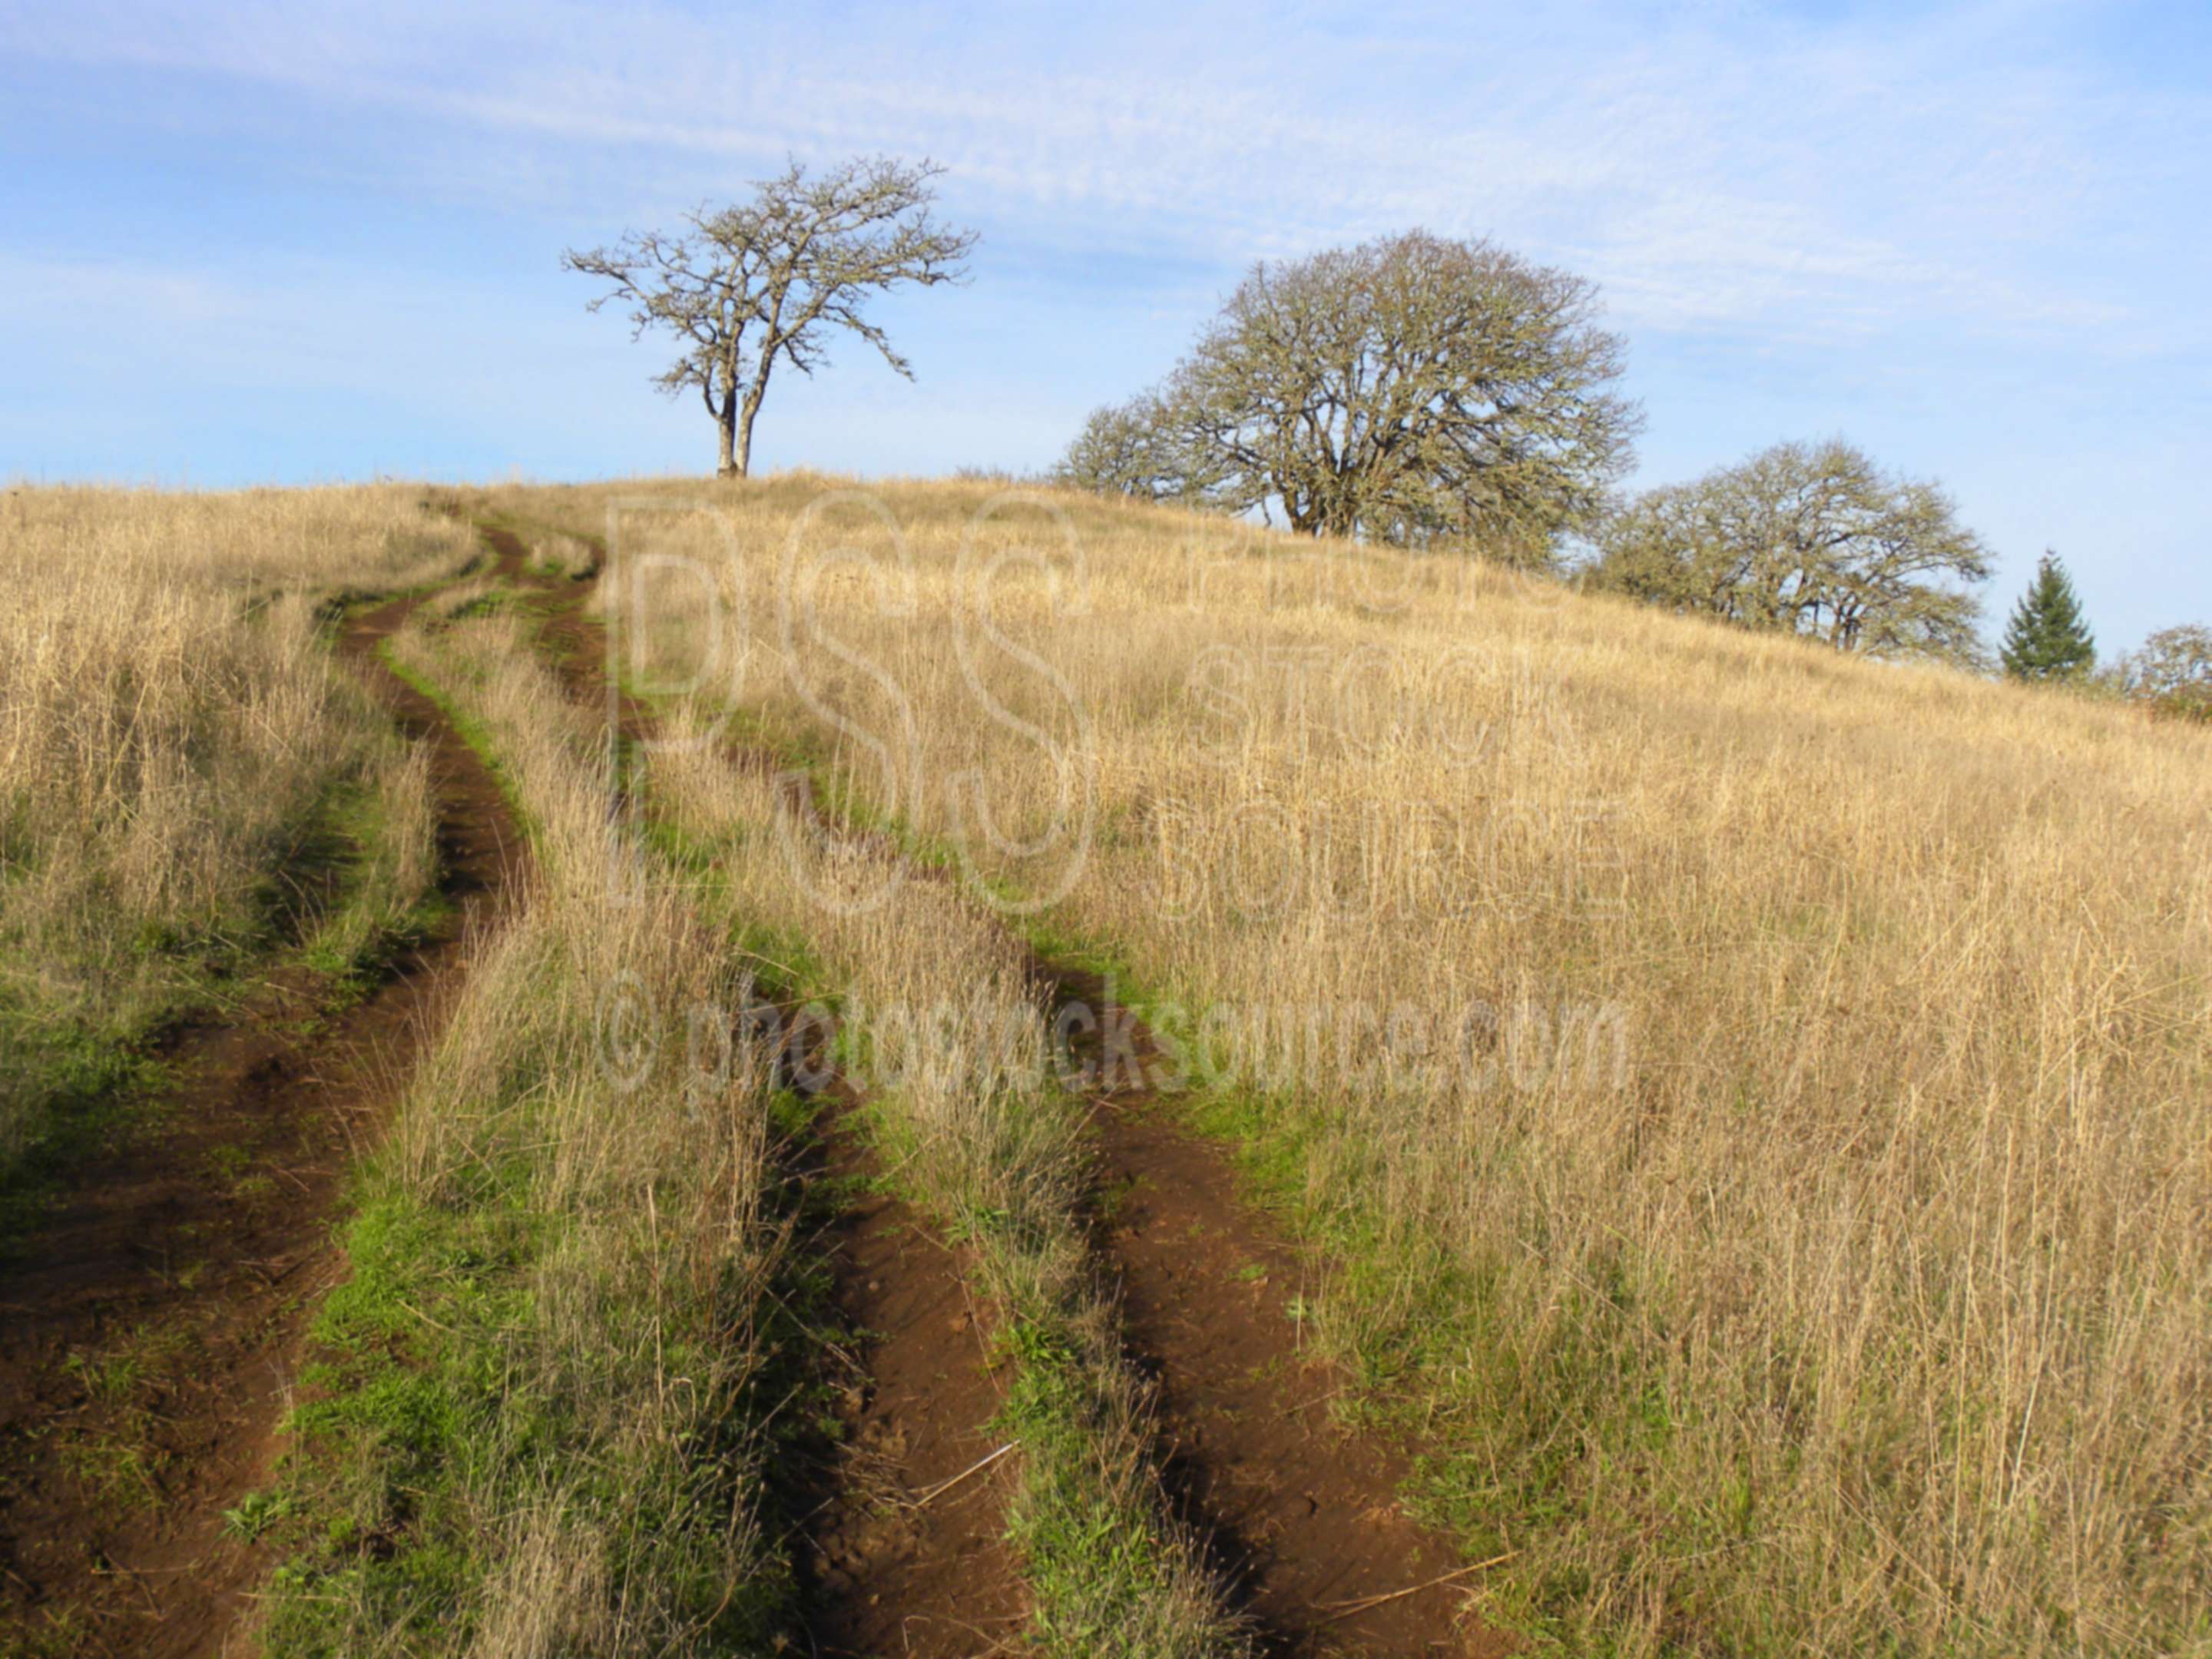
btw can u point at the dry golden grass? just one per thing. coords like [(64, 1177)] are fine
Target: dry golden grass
[(173, 739), (945, 1030), (544, 1426), (1764, 1093)]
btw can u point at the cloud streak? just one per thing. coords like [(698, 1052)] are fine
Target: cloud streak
[(1968, 233), (1723, 170)]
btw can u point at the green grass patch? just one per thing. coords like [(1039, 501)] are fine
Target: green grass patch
[(1087, 1524), (483, 1362), (83, 1080), (551, 1405), (470, 730)]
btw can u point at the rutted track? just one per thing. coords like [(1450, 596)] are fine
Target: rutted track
[(114, 1482), (902, 1545), (1303, 1518), (910, 1551), (1305, 1515)]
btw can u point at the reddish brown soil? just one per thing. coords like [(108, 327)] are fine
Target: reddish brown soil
[(1302, 1516), (153, 1321), (1305, 1515), (909, 1551), (903, 1550)]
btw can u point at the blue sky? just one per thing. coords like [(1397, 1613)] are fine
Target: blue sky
[(269, 242)]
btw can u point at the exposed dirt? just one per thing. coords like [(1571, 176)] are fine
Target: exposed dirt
[(154, 1321), (1300, 1516), (909, 1551), (903, 1550), (1304, 1515)]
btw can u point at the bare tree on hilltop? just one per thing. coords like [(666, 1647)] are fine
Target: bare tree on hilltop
[(1812, 539), (769, 280), (1414, 390)]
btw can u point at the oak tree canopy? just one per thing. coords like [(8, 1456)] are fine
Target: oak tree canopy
[(1413, 389)]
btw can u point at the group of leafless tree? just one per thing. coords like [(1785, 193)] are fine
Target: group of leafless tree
[(1425, 392), (1412, 390)]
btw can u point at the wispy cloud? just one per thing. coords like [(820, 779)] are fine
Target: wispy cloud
[(1969, 232), (1720, 169)]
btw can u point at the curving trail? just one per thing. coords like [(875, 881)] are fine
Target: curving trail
[(153, 1324), (1305, 1516), (902, 1549)]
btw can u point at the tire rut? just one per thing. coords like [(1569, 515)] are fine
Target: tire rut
[(155, 1321), (1302, 1518), (909, 1551), (900, 1516), (1305, 1516)]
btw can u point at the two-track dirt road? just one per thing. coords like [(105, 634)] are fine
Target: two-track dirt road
[(156, 1322), (151, 1325)]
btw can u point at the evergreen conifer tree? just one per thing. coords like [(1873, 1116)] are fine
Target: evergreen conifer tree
[(2047, 638)]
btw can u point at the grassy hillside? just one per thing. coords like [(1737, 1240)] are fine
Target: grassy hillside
[(1747, 1106), (186, 782), (1756, 1098)]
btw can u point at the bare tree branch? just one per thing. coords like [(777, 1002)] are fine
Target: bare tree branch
[(1806, 538), (769, 280), (1412, 389)]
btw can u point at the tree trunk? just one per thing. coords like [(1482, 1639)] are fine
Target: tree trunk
[(725, 432), (746, 436)]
